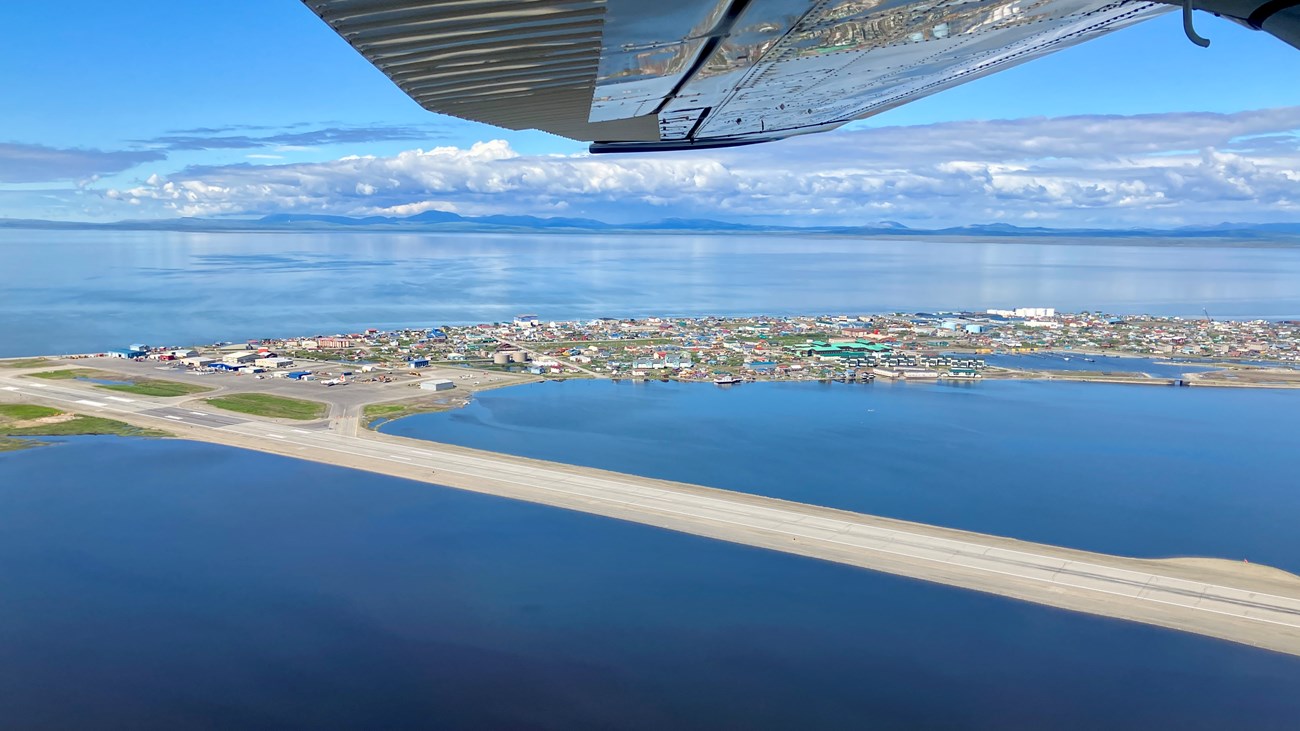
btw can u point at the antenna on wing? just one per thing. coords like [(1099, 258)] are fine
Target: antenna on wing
[(1192, 35)]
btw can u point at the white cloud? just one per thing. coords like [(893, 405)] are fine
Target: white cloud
[(1165, 169)]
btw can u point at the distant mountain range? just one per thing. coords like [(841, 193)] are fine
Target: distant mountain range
[(446, 221)]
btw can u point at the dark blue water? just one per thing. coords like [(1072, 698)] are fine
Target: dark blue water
[(1158, 367), (226, 589), (1134, 470), (80, 291), (170, 585)]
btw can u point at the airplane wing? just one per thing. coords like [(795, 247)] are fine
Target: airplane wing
[(632, 75)]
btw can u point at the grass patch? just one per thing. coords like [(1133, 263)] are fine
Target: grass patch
[(82, 426), (23, 412), (384, 409), (68, 374), (131, 384), (76, 425), (566, 376), (23, 363), (389, 412), (275, 407), (152, 387)]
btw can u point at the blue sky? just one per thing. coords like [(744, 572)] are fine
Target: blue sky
[(106, 104)]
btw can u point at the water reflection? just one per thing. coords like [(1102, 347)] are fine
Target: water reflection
[(75, 291)]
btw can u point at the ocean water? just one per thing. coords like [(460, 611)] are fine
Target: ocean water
[(79, 291), (169, 585), (1151, 471)]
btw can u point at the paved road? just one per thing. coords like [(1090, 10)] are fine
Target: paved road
[(190, 416), (1248, 604), (534, 354)]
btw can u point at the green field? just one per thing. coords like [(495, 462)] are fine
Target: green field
[(140, 386), (275, 407), (13, 415), (152, 387), (23, 363), (70, 373), (382, 410), (388, 412), (23, 412)]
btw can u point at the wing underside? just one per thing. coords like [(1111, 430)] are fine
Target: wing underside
[(668, 74)]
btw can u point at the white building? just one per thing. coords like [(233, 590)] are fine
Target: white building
[(1035, 312), (437, 384), (244, 357), (274, 362)]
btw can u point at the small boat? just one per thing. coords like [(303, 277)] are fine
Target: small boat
[(728, 380)]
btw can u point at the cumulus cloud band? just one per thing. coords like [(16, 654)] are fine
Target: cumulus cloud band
[(1096, 170)]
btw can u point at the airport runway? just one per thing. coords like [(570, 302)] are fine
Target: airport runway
[(1244, 603)]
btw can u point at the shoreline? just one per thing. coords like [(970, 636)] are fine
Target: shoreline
[(1025, 376), (366, 417), (1228, 599)]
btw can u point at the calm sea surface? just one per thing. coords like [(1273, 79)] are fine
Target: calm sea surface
[(76, 291), (1135, 470), (166, 585)]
